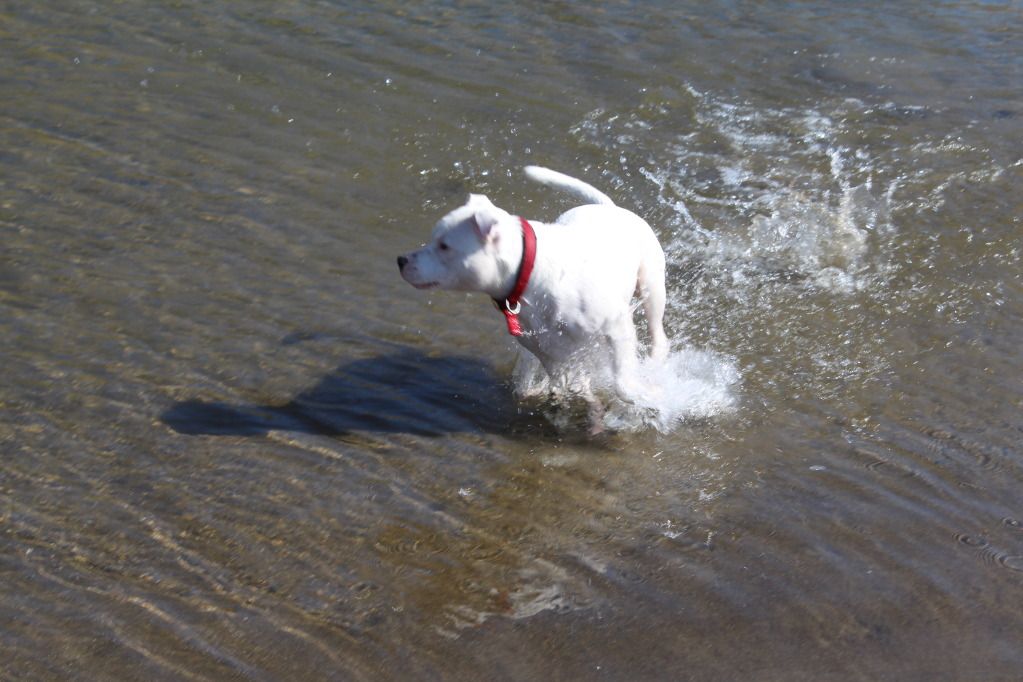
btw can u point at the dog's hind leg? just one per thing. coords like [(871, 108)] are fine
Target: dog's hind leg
[(651, 290), (624, 358)]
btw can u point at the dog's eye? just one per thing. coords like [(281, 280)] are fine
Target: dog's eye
[(443, 246)]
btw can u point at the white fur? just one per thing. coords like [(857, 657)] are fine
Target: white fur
[(589, 264)]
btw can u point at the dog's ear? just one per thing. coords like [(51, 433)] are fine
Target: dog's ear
[(485, 217), (485, 222)]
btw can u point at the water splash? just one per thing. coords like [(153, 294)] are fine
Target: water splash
[(775, 218), (765, 192), (687, 385)]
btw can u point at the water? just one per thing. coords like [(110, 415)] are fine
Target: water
[(237, 445)]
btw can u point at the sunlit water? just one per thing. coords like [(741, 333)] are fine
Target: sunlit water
[(236, 445)]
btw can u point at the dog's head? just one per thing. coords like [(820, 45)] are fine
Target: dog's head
[(465, 252)]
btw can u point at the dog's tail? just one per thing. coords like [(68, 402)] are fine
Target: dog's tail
[(567, 183)]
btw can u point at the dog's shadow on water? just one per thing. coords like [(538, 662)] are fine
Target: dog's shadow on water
[(404, 390)]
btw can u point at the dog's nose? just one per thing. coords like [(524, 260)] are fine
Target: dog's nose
[(402, 261)]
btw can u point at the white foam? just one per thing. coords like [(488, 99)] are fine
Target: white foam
[(689, 384)]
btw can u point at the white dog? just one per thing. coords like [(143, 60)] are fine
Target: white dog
[(565, 288)]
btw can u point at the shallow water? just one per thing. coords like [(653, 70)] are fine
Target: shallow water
[(237, 445)]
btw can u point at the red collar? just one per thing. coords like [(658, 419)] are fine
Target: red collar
[(511, 306)]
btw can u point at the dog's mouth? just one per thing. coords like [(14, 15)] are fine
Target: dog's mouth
[(426, 285)]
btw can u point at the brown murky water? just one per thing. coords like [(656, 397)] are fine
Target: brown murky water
[(236, 445)]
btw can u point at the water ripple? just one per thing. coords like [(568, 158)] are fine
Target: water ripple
[(990, 554)]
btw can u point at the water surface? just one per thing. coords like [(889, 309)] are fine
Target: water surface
[(236, 445)]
